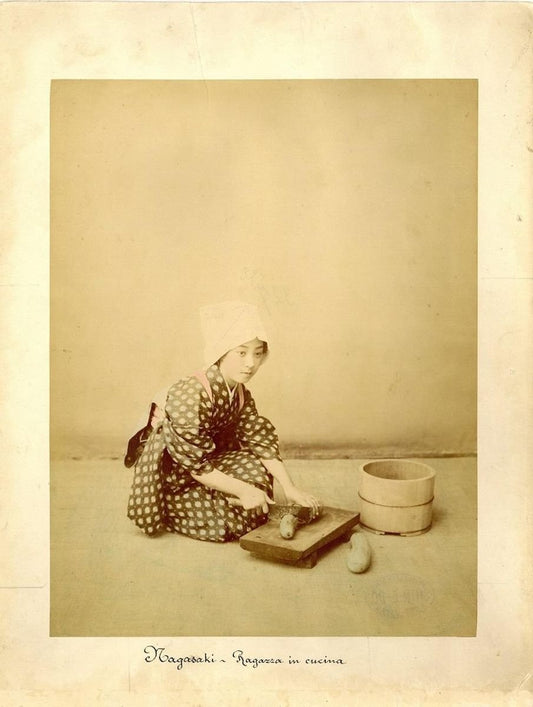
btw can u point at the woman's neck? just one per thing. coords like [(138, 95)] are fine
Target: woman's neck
[(231, 388)]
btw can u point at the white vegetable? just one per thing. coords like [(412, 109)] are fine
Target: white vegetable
[(359, 556), (287, 526)]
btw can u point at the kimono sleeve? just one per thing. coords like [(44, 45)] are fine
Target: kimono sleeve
[(186, 427), (256, 433)]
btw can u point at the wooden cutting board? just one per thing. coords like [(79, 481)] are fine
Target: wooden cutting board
[(302, 549)]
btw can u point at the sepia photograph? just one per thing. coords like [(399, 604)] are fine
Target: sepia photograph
[(263, 357), (266, 353)]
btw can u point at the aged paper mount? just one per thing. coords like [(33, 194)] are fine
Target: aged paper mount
[(486, 41)]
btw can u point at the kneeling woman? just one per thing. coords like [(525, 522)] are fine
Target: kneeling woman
[(207, 467)]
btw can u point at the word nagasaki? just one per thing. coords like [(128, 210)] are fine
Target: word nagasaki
[(157, 653)]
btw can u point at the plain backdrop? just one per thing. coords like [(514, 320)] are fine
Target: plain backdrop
[(345, 209)]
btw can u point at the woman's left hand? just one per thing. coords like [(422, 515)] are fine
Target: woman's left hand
[(302, 498)]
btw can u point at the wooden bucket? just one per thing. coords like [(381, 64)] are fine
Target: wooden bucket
[(396, 496)]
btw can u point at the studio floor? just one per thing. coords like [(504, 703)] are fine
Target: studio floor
[(108, 579)]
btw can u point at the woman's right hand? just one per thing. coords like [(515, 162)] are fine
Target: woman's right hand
[(252, 497)]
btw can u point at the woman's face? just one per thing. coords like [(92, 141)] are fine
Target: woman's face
[(241, 363)]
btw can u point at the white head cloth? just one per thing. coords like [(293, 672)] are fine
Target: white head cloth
[(227, 325)]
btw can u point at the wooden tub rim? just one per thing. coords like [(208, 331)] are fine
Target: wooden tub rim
[(429, 475)]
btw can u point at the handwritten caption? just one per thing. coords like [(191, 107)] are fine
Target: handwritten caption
[(158, 654)]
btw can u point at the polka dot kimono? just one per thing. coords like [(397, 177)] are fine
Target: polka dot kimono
[(198, 435)]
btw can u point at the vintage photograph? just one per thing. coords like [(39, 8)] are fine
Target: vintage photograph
[(263, 357)]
